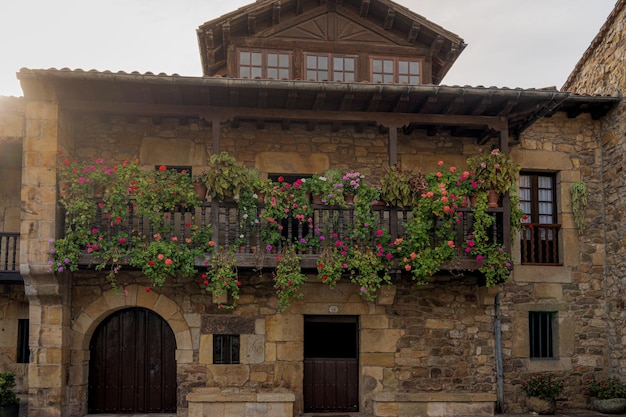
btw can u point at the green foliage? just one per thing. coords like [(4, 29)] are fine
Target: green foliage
[(605, 388), (221, 278), (225, 177), (288, 278), (8, 397), (494, 171), (402, 187), (545, 386), (331, 265), (161, 258), (579, 204), (368, 270)]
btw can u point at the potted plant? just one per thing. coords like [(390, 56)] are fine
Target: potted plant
[(402, 187), (9, 403), (541, 391), (495, 172), (608, 394), (224, 176)]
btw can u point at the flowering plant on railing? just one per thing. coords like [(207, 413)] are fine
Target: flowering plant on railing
[(327, 188), (494, 170), (161, 257), (288, 278), (351, 182)]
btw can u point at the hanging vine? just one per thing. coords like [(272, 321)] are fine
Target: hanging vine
[(579, 203)]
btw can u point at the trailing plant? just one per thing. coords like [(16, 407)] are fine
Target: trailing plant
[(162, 258), (544, 386), (288, 278), (368, 270), (578, 190), (332, 264), (221, 278)]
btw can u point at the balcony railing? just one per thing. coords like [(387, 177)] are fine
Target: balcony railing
[(540, 243), (9, 261), (332, 222)]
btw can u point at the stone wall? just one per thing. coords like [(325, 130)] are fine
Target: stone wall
[(603, 71), (434, 338)]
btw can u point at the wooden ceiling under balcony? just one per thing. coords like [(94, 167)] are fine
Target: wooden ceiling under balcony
[(460, 111)]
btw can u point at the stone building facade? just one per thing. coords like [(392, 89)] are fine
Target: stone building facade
[(422, 350)]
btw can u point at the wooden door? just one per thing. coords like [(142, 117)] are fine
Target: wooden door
[(331, 369), (132, 368)]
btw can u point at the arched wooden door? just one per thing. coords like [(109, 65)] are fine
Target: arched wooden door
[(132, 368)]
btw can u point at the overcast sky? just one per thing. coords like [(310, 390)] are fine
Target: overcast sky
[(511, 43)]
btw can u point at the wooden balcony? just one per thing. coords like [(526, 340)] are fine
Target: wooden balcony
[(9, 260), (540, 244), (328, 223)]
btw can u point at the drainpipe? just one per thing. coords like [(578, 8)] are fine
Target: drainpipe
[(497, 329)]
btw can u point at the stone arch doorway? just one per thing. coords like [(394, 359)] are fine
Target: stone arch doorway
[(132, 367)]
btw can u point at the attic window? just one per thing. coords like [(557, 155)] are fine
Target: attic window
[(329, 67), (264, 64), (395, 70)]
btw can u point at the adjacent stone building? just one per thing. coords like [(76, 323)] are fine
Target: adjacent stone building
[(295, 88)]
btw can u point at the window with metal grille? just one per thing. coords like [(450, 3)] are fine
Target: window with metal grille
[(225, 348), (395, 70), (539, 234), (330, 67), (264, 64), (23, 353), (541, 326)]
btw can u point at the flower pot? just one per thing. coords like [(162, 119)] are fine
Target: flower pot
[(492, 198), (610, 405), (541, 405), (201, 190), (349, 198)]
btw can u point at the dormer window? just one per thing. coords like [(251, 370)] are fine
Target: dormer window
[(395, 70), (330, 67), (264, 64)]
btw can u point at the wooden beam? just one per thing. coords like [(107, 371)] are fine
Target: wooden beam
[(251, 24), (365, 8), (435, 47), (320, 97), (226, 33), (209, 42), (234, 98), (391, 15), (262, 99), (374, 102), (414, 32), (275, 13), (313, 115), (346, 101), (299, 6)]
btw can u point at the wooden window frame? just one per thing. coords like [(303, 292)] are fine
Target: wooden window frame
[(395, 73), (226, 349), (539, 241), (264, 66), (331, 66)]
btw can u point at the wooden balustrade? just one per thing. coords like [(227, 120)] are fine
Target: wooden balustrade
[(9, 260), (540, 244), (328, 223)]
